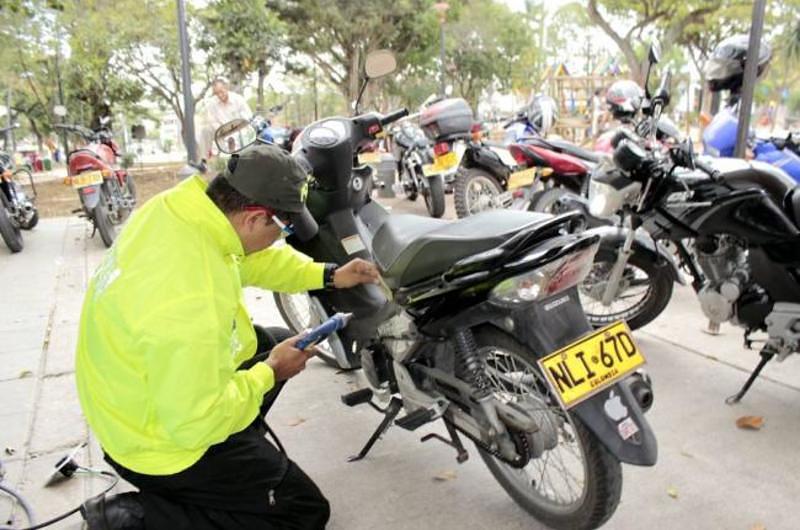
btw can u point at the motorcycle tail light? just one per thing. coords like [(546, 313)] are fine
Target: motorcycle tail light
[(547, 280), (519, 155), (441, 148)]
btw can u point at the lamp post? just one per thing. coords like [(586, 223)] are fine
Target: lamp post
[(441, 9), (750, 72)]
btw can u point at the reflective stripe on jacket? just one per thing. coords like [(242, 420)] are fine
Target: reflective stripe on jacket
[(164, 327)]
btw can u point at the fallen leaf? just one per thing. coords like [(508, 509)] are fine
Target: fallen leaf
[(10, 451), (687, 454), (750, 422), (758, 526), (294, 422), (25, 373), (672, 492), (445, 476)]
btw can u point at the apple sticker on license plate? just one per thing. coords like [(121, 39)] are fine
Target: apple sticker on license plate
[(587, 366)]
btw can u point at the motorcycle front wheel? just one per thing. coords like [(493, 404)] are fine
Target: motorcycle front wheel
[(9, 227), (434, 196), (298, 313), (575, 483), (476, 190), (644, 292)]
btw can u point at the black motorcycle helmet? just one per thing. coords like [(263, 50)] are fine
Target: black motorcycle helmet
[(624, 99), (725, 68)]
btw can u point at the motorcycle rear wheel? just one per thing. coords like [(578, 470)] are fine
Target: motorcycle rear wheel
[(475, 190), (9, 227), (534, 486)]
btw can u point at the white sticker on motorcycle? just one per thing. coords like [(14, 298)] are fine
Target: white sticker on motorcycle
[(353, 244), (627, 428), (614, 407)]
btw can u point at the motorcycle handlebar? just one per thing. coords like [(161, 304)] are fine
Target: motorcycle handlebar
[(394, 116)]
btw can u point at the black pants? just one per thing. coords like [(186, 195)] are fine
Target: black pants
[(242, 483)]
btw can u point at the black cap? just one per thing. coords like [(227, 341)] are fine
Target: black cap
[(270, 177)]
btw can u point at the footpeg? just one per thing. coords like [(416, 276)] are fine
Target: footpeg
[(358, 397), (416, 419)]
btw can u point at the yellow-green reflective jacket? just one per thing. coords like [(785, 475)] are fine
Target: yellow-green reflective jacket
[(164, 327)]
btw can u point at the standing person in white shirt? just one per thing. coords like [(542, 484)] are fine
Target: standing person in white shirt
[(222, 107)]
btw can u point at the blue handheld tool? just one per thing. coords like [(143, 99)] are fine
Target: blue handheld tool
[(321, 332)]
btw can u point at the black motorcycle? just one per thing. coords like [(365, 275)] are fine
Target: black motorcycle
[(415, 168), (478, 323), (735, 228), (17, 206)]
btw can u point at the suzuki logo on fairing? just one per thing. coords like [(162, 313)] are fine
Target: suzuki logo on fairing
[(555, 303)]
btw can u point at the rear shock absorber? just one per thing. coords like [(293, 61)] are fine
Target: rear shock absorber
[(469, 364)]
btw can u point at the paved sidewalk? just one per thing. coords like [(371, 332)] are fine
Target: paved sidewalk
[(720, 477)]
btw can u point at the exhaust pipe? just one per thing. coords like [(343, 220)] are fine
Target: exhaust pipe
[(642, 389)]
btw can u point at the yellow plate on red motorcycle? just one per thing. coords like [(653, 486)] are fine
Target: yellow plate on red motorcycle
[(445, 161), (89, 178), (430, 170), (591, 364), (369, 158), (520, 179)]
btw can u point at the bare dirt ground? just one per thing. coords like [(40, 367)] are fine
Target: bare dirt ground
[(56, 199)]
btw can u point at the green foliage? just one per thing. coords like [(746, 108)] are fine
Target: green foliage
[(242, 35)]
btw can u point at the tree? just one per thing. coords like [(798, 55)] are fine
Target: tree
[(244, 37), (337, 34), (628, 22)]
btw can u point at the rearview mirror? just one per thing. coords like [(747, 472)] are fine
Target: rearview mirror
[(380, 63), (234, 136), (654, 55)]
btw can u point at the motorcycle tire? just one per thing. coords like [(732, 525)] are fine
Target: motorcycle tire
[(547, 201), (653, 304), (32, 222), (465, 177), (103, 224), (434, 198), (298, 323), (602, 485), (130, 185), (9, 228)]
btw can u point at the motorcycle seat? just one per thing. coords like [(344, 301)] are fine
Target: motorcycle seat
[(409, 248), (573, 150)]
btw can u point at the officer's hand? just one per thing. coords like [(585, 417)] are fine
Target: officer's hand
[(354, 273), (287, 361)]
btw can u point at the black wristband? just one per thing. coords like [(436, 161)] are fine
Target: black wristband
[(327, 275)]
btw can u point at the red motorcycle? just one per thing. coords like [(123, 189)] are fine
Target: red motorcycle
[(107, 192)]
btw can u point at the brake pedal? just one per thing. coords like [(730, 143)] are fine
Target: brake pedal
[(416, 419), (358, 397)]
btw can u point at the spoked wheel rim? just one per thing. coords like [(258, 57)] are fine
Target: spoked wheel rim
[(298, 311), (482, 194), (634, 292), (557, 481)]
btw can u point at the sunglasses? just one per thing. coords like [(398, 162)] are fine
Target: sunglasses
[(287, 229)]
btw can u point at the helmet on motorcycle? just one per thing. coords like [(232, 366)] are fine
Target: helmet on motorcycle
[(624, 99), (541, 112), (725, 68)]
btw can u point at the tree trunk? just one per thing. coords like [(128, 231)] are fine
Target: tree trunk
[(354, 77), (262, 75)]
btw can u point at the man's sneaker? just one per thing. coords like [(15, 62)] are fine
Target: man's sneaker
[(117, 512)]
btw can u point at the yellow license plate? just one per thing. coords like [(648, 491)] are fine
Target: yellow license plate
[(445, 161), (87, 179), (595, 362), (369, 158), (523, 178)]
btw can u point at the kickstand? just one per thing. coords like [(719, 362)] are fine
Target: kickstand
[(390, 413), (766, 356), (455, 442)]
